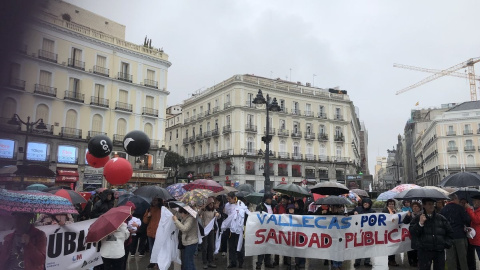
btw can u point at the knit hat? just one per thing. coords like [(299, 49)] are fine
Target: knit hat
[(291, 206), (131, 204)]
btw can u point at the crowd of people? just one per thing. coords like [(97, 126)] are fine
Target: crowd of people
[(442, 232)]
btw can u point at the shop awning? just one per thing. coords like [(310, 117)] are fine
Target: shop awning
[(67, 175)]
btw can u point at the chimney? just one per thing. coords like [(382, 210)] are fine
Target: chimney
[(308, 84)]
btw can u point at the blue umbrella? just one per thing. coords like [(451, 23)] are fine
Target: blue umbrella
[(386, 195), (39, 187)]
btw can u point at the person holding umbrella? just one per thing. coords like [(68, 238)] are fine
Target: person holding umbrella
[(112, 249), (431, 235), (416, 211), (188, 226), (105, 203)]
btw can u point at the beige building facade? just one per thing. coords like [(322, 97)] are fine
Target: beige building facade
[(75, 70), (315, 135)]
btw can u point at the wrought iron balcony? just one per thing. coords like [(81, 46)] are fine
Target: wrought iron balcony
[(214, 155), (74, 96), (123, 106), (322, 137), (101, 71), (199, 158), (215, 109), (191, 159), (249, 104), (185, 141), (322, 115), (283, 110), (76, 64), (102, 102), (338, 117), (207, 113), (323, 158), (199, 136), (451, 133), (297, 156), (124, 77), (227, 105), (452, 149), (270, 132), (71, 133), (92, 134), (48, 56), (150, 83), (207, 134), (283, 132), (191, 139), (469, 148), (249, 152), (200, 115), (339, 138), (117, 138), (45, 90), (149, 111), (308, 113), (16, 83), (227, 129), (296, 112), (309, 136), (467, 132), (250, 128), (283, 155), (297, 134), (215, 132), (227, 153)]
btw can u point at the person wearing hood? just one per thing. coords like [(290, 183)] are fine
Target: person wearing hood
[(104, 203), (365, 208), (416, 211), (207, 214), (265, 206), (431, 234), (152, 218), (390, 208)]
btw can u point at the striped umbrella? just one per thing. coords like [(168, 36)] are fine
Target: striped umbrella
[(34, 202), (204, 184)]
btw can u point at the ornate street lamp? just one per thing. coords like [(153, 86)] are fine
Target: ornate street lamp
[(270, 105)]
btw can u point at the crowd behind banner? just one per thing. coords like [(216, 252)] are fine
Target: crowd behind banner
[(429, 232)]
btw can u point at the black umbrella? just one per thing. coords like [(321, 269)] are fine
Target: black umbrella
[(141, 203), (27, 170), (333, 200), (293, 190), (150, 192), (255, 197), (360, 192), (246, 188), (461, 179), (420, 193), (241, 194), (329, 188), (467, 193)]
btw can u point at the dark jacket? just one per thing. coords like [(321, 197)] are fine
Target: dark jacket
[(360, 210), (435, 235), (457, 217), (102, 205)]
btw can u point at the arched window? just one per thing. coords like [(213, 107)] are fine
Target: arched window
[(148, 130), (309, 129), (250, 145), (121, 126), (338, 151), (42, 113), (309, 149), (296, 127), (451, 144), (296, 149), (470, 160), (97, 123), (283, 147), (323, 151), (71, 119), (453, 160), (322, 130), (9, 108), (338, 131), (227, 143)]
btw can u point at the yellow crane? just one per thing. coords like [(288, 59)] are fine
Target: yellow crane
[(451, 71)]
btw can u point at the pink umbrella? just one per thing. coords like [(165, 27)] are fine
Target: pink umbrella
[(403, 187), (204, 184)]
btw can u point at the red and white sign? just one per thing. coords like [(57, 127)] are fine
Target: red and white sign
[(7, 148), (67, 175)]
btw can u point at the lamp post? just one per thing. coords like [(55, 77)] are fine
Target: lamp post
[(270, 105), (16, 120)]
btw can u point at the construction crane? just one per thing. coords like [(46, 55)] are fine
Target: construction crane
[(469, 64), (431, 70)]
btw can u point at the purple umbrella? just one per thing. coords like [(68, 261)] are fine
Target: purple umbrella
[(34, 202), (176, 190)]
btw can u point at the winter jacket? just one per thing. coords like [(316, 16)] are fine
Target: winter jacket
[(435, 235), (103, 205), (113, 245), (262, 207), (188, 227), (457, 217), (280, 209), (34, 252), (152, 221), (360, 210), (206, 216), (475, 224)]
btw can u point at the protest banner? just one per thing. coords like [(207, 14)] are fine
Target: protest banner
[(66, 248), (336, 238)]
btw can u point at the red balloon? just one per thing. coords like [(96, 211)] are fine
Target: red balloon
[(96, 162), (118, 171)]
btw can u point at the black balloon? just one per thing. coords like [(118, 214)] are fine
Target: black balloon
[(136, 143), (100, 146)]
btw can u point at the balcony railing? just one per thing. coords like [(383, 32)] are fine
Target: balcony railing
[(207, 134), (191, 139), (338, 117), (71, 132), (451, 133), (16, 83), (297, 134), (101, 71), (215, 132), (102, 102), (207, 113), (297, 156), (215, 109), (323, 158), (150, 83), (123, 106), (199, 158), (322, 137), (310, 157), (49, 56), (48, 131), (227, 129), (467, 132), (227, 153), (249, 104), (250, 128), (283, 155), (149, 111), (214, 155), (296, 112), (309, 136), (199, 137), (226, 105), (124, 77), (185, 141), (45, 90), (92, 134), (74, 96), (199, 115), (154, 144), (270, 132), (339, 138), (249, 152), (322, 115), (309, 113), (117, 138), (469, 148), (283, 132), (283, 110), (76, 64), (452, 149)]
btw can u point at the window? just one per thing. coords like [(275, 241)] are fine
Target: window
[(176, 133), (453, 160), (338, 113), (321, 110), (45, 78), (228, 120), (283, 146), (186, 133), (296, 127), (250, 120), (9, 108), (74, 85), (208, 127), (121, 126), (48, 45), (7, 148), (451, 144), (227, 143), (338, 152), (150, 75), (67, 154), (97, 123), (227, 98), (101, 61), (282, 105), (149, 101), (469, 143), (76, 55), (250, 145), (470, 160), (309, 129), (296, 107), (296, 170), (338, 131), (38, 151), (296, 150), (309, 149), (323, 151), (42, 112), (208, 149), (282, 169), (14, 71), (249, 99), (201, 130), (193, 131), (450, 128), (282, 124), (125, 68), (216, 124), (321, 129), (170, 135), (71, 119), (123, 96), (99, 91)]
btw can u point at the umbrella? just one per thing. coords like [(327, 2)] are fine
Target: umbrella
[(360, 192), (420, 193), (176, 190), (333, 200), (246, 187), (329, 188), (100, 189), (461, 179), (204, 184), (467, 193), (39, 187), (107, 223), (445, 192), (387, 195), (187, 208), (71, 195), (293, 190), (27, 170), (242, 194), (226, 190), (354, 196), (141, 203), (196, 197), (118, 193), (34, 202), (254, 197), (56, 188), (403, 187), (151, 192)]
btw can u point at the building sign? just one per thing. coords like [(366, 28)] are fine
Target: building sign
[(67, 154), (37, 151), (7, 148)]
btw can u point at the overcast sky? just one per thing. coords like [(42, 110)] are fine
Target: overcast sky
[(350, 44)]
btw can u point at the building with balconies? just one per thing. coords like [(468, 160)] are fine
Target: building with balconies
[(449, 144), (316, 139), (76, 71)]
